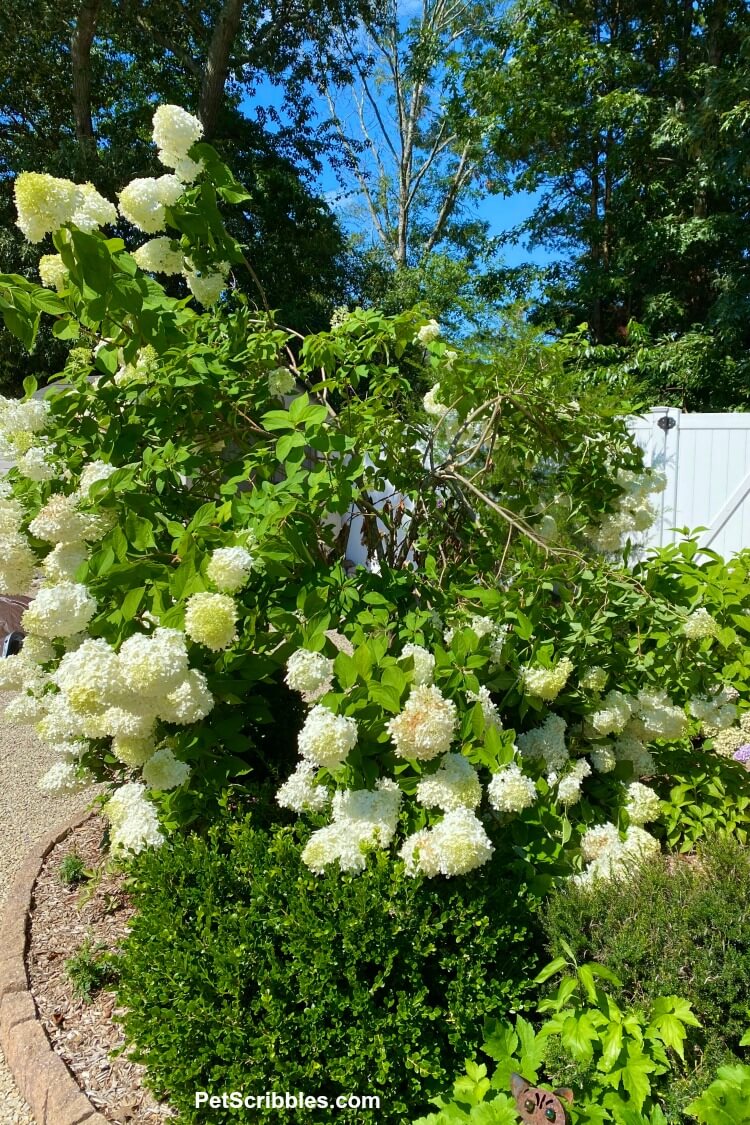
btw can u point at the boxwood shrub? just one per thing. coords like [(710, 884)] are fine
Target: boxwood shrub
[(243, 971)]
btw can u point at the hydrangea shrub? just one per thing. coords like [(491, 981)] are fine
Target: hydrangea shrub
[(181, 505)]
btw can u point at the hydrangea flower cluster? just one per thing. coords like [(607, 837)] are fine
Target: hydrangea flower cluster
[(210, 620), (175, 133), (426, 726), (133, 820), (309, 673), (510, 790), (281, 382), (45, 204), (635, 512), (424, 664), (546, 683), (229, 569), (611, 857), (300, 793), (546, 742), (326, 739), (456, 845), (717, 711), (455, 785), (700, 624), (362, 819), (642, 804), (569, 786), (726, 742), (22, 425)]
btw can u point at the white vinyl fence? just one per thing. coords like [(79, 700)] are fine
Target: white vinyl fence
[(706, 460)]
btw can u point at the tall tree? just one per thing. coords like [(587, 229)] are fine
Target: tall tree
[(78, 84), (413, 178), (629, 118)]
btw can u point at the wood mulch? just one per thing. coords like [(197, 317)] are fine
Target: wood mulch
[(83, 1032)]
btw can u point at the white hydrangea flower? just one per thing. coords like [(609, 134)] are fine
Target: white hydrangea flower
[(133, 820), (546, 742), (60, 610), (281, 382), (603, 758), (511, 790), (546, 683), (164, 771), (90, 676), (428, 332), (17, 564), (642, 804), (175, 132), (326, 739), (717, 711), (206, 286), (63, 561), (154, 665), (455, 785), (38, 650), (424, 663), (431, 404), (11, 515), (157, 256), (35, 464), (91, 473), (309, 673), (569, 787), (426, 726), (64, 777), (211, 619), (449, 357), (44, 203), (299, 792), (132, 752), (120, 722), (700, 624), (60, 521), (144, 200), (614, 715), (657, 717), (142, 371), (229, 568), (190, 702), (598, 840), (594, 679), (489, 709), (611, 858), (92, 210), (25, 709), (362, 819), (455, 846), (628, 749), (52, 272)]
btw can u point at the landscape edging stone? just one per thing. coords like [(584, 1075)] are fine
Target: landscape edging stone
[(43, 1079)]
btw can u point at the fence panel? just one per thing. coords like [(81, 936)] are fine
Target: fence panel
[(706, 461)]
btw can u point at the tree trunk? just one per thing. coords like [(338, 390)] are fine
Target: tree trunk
[(216, 70), (80, 57)]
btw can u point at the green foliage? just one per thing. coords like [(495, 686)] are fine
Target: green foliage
[(91, 969), (372, 983), (681, 926), (635, 141), (727, 1099), (619, 1059), (72, 870)]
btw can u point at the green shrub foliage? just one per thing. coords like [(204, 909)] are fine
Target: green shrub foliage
[(682, 926), (243, 971)]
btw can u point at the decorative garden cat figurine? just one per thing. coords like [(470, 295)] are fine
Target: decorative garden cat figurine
[(539, 1107)]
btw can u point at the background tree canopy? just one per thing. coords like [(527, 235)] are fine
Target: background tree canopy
[(627, 120)]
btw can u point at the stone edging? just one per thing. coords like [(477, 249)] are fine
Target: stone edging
[(54, 1096)]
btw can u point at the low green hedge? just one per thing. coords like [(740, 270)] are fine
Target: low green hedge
[(243, 971)]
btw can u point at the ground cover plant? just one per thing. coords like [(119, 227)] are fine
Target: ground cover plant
[(495, 701)]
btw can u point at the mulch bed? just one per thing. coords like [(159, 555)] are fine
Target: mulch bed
[(83, 1032)]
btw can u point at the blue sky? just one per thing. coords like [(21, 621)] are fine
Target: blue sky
[(501, 213)]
